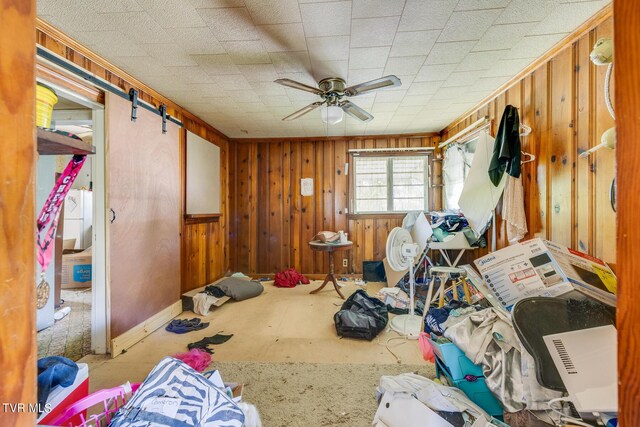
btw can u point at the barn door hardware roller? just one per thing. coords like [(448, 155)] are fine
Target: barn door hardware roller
[(163, 113), (133, 96)]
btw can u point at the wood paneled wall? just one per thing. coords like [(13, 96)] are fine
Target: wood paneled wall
[(566, 197), (205, 251), (17, 212), (204, 256), (271, 222), (627, 60)]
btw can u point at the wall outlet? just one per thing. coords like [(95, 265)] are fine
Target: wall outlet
[(345, 262)]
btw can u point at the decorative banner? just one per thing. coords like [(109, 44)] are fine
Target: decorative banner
[(49, 214)]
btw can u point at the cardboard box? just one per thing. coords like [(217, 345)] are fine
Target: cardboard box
[(76, 269)]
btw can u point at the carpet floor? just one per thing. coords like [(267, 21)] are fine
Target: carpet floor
[(312, 394)]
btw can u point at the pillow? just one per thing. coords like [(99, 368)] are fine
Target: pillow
[(240, 289)]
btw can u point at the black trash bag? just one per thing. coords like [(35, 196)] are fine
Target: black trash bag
[(361, 316)]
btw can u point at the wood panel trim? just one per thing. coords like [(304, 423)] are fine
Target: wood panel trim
[(43, 71), (144, 329), (627, 104), (604, 14), (333, 138)]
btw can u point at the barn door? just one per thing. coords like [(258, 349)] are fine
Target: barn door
[(144, 214)]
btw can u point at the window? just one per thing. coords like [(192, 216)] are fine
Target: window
[(456, 166), (390, 184)]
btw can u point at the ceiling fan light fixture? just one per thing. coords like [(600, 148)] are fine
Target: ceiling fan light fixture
[(332, 114)]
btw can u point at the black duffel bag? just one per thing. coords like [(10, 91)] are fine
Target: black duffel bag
[(361, 316)]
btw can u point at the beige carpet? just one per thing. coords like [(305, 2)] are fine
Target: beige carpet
[(312, 394)]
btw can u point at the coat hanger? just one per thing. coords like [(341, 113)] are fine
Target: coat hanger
[(525, 130), (527, 157)]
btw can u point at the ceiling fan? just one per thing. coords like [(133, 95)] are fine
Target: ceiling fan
[(332, 91)]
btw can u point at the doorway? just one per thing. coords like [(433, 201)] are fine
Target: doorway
[(74, 321)]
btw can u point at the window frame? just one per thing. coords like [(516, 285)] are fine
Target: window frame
[(389, 155)]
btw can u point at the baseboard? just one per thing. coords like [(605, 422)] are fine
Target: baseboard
[(142, 330)]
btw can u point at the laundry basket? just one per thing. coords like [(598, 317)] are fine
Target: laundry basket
[(107, 402), (46, 98)]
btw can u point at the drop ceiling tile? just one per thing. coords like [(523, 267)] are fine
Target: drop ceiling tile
[(268, 88), (384, 30), (507, 67), (475, 61), (259, 72), (377, 8), (245, 96), (191, 74), (526, 11), (168, 54), (196, 41), (142, 66), (413, 101), (426, 14), (450, 93), (277, 101), (489, 84), (384, 107), (139, 26), (424, 88), (273, 11), (230, 24), (503, 36), (291, 62), (470, 25), (364, 75), (331, 48), (404, 65), (283, 37), (449, 53), (213, 90), (481, 4), (412, 43), (114, 43), (462, 78), (405, 81), (216, 64), (431, 73), (326, 19), (325, 69), (233, 82), (566, 17), (390, 95), (172, 13), (302, 77), (534, 46), (368, 57), (247, 52), (205, 4)]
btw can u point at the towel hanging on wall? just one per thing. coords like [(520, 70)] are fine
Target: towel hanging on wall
[(506, 151)]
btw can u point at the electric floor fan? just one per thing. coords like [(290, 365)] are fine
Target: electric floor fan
[(401, 252)]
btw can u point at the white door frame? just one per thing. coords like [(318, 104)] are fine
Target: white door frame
[(100, 320)]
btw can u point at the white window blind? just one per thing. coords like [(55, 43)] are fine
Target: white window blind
[(390, 184)]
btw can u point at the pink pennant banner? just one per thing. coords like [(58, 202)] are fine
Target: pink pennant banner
[(48, 218)]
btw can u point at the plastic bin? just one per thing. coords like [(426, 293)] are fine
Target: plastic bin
[(458, 365), (476, 390)]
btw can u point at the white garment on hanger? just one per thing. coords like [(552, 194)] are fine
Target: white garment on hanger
[(513, 209), (479, 196), (453, 176)]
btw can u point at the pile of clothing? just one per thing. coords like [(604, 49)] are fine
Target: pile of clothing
[(444, 224), (289, 278), (237, 287), (487, 338)]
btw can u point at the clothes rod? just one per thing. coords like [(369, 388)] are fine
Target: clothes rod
[(102, 84), (383, 150), (464, 131)]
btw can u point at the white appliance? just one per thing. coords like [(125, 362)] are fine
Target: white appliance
[(401, 253), (587, 363), (78, 217)]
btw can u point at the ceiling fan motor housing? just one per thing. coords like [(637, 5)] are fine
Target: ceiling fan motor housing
[(332, 87)]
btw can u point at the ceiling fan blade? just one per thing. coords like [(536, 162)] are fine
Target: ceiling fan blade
[(382, 82), (297, 85), (354, 111), (303, 111)]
